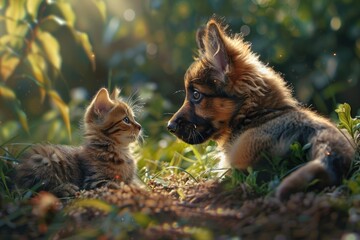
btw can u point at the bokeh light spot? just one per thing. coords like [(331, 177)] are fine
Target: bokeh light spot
[(140, 29), (129, 15), (183, 9), (245, 30), (151, 49), (335, 23)]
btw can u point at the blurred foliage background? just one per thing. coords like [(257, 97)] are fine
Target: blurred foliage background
[(55, 55)]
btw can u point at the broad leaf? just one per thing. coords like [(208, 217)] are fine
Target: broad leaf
[(67, 12), (51, 23), (7, 93), (51, 48), (8, 63), (346, 121), (62, 107), (85, 43), (15, 14), (58, 27), (22, 118), (343, 112), (101, 6), (37, 65), (11, 42), (32, 7)]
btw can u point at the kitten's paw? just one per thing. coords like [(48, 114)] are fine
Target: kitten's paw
[(113, 185), (65, 190), (44, 159), (39, 159)]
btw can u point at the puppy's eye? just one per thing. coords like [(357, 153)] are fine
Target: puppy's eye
[(126, 120), (196, 95)]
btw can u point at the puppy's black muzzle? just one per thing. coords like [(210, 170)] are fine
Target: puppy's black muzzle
[(174, 125), (189, 131)]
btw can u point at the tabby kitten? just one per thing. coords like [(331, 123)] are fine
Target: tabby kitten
[(104, 159)]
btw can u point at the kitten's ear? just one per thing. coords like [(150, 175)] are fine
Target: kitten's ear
[(115, 94), (215, 50), (102, 102)]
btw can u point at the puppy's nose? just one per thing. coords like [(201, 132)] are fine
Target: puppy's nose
[(172, 126)]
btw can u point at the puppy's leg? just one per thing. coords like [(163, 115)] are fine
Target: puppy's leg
[(302, 178), (327, 169), (247, 149)]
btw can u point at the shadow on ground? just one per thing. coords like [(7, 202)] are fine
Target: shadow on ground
[(179, 207)]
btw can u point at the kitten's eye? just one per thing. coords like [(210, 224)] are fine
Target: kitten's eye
[(126, 120), (196, 95)]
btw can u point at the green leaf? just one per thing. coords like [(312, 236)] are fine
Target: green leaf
[(7, 93), (66, 11), (92, 203), (8, 64), (37, 65), (11, 43), (51, 23), (63, 108), (77, 43), (2, 4), (32, 7), (16, 12), (334, 89), (51, 48), (85, 43), (353, 186), (101, 6), (345, 119), (22, 118)]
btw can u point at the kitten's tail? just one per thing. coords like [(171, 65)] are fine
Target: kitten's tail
[(50, 168)]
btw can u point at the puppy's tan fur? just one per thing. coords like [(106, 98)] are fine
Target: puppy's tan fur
[(247, 108)]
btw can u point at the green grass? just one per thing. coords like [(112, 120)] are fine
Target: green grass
[(159, 159)]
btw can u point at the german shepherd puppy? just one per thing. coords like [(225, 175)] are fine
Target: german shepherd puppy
[(247, 108)]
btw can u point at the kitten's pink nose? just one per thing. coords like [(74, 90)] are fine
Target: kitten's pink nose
[(138, 126)]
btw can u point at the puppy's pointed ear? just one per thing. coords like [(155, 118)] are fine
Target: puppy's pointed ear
[(200, 35), (215, 50), (102, 103), (115, 94)]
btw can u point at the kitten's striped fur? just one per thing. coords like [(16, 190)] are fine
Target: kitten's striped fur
[(103, 159)]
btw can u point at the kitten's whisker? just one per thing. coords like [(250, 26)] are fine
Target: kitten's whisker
[(133, 94), (141, 139), (106, 139)]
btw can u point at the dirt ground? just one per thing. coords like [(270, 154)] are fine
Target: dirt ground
[(185, 209)]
